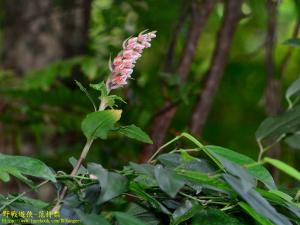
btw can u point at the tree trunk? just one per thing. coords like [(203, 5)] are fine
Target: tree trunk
[(37, 32), (214, 75), (161, 122)]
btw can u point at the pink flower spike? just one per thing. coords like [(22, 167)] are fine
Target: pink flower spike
[(117, 61), (128, 63), (152, 34), (124, 62), (147, 44), (127, 53), (126, 72), (139, 47), (132, 40), (131, 46), (136, 55)]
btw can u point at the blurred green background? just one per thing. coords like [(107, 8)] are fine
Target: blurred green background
[(46, 45)]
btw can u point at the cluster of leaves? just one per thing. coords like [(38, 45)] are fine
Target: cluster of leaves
[(285, 126), (200, 185), (196, 185)]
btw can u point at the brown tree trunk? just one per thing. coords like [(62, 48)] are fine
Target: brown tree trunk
[(272, 95), (39, 32), (214, 75), (36, 33), (162, 120)]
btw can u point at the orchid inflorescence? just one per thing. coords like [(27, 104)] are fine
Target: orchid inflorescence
[(122, 65)]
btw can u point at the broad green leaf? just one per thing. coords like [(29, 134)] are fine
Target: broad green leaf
[(91, 219), (201, 147), (294, 89), (255, 215), (135, 132), (4, 176), (282, 199), (275, 127), (83, 89), (139, 191), (18, 165), (127, 219), (204, 179), (213, 216), (247, 180), (100, 87), (283, 167), (145, 181), (293, 42), (98, 124), (293, 141), (258, 171), (112, 184), (143, 214), (170, 160), (147, 169), (282, 195), (168, 181), (259, 204), (184, 212)]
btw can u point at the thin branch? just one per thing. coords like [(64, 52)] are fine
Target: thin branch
[(161, 123), (272, 97), (214, 75)]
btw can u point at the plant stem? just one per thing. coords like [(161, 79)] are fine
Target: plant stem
[(162, 147), (22, 194), (82, 157)]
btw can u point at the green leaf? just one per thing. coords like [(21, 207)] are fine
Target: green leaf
[(184, 212), (168, 181), (147, 169), (295, 42), (100, 87), (283, 167), (170, 160), (127, 219), (91, 219), (293, 141), (112, 184), (83, 89), (139, 191), (4, 176), (18, 165), (201, 147), (136, 133), (111, 99), (294, 89), (275, 127), (256, 201), (282, 199), (255, 215), (204, 179), (98, 124), (258, 171), (143, 214), (213, 216)]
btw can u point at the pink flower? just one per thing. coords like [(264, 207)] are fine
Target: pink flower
[(123, 64)]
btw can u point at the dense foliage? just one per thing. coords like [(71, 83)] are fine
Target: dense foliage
[(47, 113), (191, 184)]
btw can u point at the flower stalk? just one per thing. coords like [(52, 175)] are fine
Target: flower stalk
[(121, 69)]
